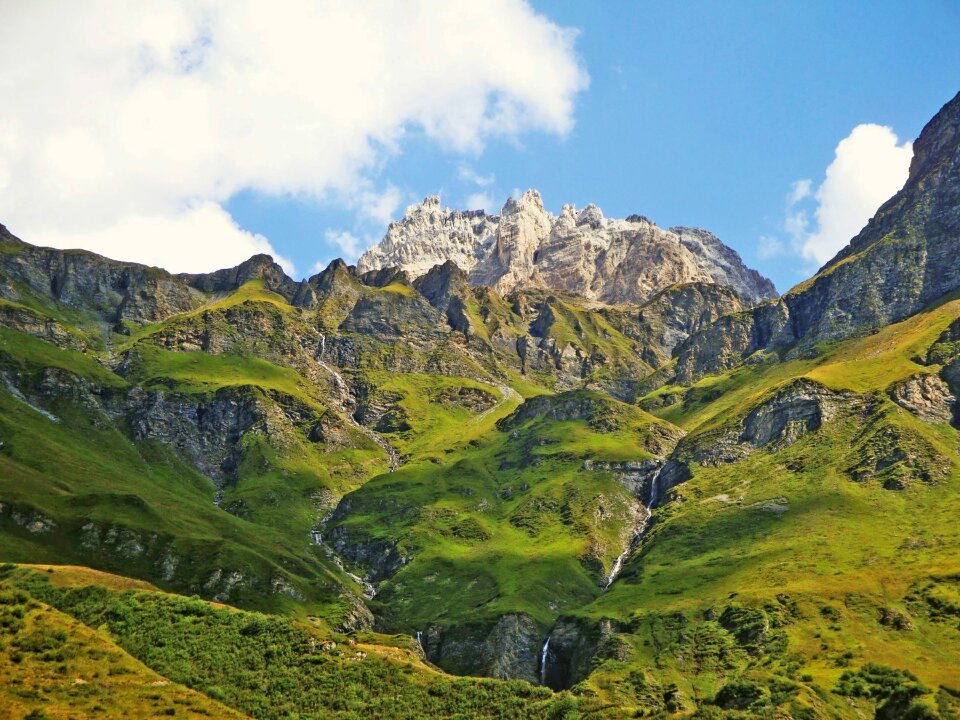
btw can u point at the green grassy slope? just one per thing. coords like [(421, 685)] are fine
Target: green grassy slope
[(769, 584), (781, 569), (504, 521), (259, 665), (74, 485), (54, 666)]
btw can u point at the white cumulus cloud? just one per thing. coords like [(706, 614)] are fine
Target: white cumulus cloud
[(203, 237), (126, 126), (480, 201), (868, 168), (348, 243)]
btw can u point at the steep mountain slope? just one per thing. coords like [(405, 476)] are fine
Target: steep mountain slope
[(212, 421), (904, 259), (579, 252), (814, 536), (58, 667)]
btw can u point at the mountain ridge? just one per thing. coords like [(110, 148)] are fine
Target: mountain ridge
[(582, 252)]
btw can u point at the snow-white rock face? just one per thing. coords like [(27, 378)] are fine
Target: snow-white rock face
[(430, 235), (611, 260)]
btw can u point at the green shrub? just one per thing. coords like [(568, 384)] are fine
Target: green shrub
[(739, 695)]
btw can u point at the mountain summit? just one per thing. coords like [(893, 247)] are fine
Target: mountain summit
[(582, 252)]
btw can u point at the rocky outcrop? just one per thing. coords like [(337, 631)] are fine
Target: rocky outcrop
[(29, 321), (926, 396), (581, 252), (673, 315), (113, 291), (600, 412), (394, 314), (447, 288), (379, 557), (379, 409), (902, 260), (800, 407), (577, 646), (258, 267), (891, 453), (946, 347), (507, 648), (732, 340)]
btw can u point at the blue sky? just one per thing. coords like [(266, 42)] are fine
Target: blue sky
[(698, 113), (695, 113)]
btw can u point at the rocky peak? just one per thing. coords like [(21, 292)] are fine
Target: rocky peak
[(430, 204), (524, 225), (430, 234), (936, 138), (442, 281), (446, 287), (580, 251), (259, 267), (384, 276), (591, 215), (530, 201), (329, 275), (722, 263)]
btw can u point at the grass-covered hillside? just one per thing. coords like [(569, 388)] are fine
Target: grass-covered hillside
[(775, 577), (74, 643)]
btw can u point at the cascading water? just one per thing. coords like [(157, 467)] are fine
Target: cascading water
[(543, 661), (420, 640), (652, 500), (654, 490)]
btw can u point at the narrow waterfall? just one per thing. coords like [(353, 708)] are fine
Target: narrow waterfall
[(543, 661), (420, 640), (652, 499), (654, 489), (622, 557)]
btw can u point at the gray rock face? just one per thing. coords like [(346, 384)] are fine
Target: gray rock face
[(510, 650), (926, 396), (206, 431), (674, 314), (380, 558), (32, 323), (447, 288), (733, 339), (582, 252), (507, 649), (577, 647), (258, 267), (116, 291), (800, 407)]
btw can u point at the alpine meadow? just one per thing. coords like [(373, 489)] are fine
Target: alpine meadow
[(491, 463)]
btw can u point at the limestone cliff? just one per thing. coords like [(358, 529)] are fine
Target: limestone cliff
[(616, 261)]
